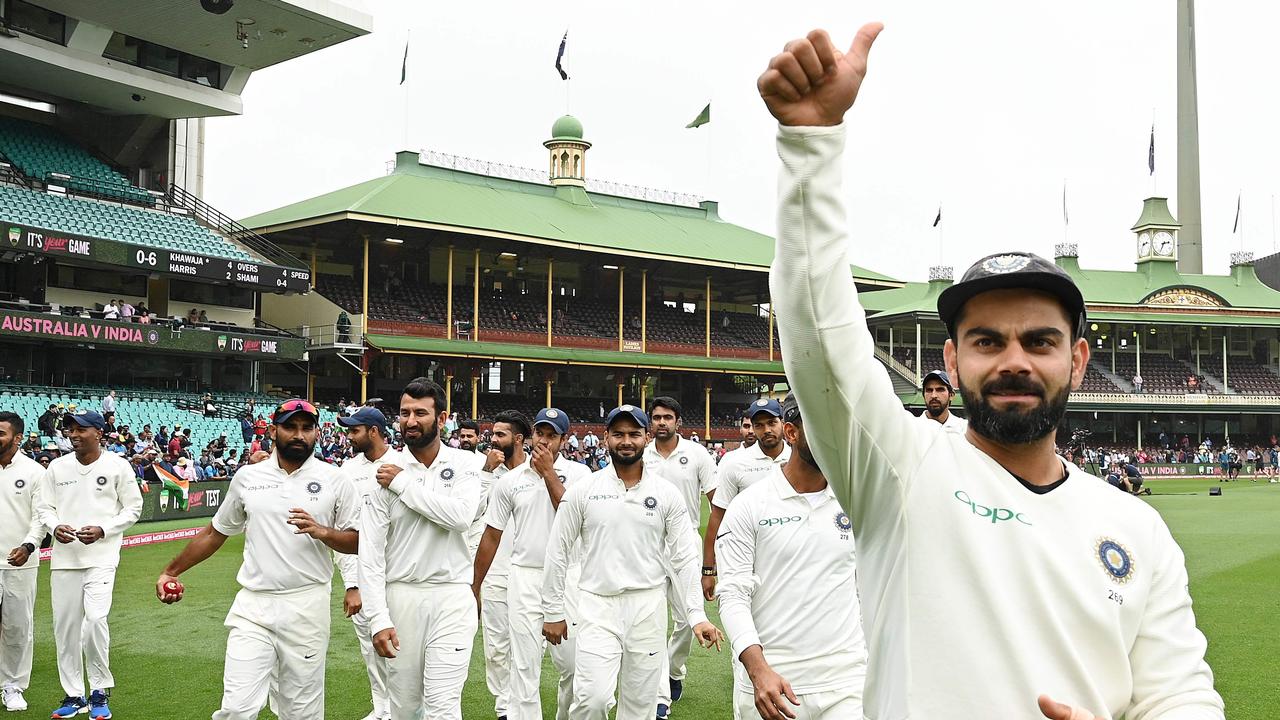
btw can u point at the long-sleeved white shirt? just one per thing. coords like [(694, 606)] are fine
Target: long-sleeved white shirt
[(103, 493), (626, 536), (978, 594), (414, 530), (258, 503), (362, 474), (19, 520), (520, 507), (741, 468), (690, 468), (787, 584), (500, 565)]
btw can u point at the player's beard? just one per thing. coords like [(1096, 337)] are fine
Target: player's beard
[(663, 433), (426, 434), (624, 461), (936, 411), (507, 450), (466, 445), (801, 449), (1014, 427), (296, 450)]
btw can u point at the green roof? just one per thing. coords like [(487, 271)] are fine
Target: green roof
[(567, 356), (566, 216), (567, 128)]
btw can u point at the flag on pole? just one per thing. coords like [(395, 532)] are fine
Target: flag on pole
[(703, 118), (170, 481), (939, 218), (1236, 225), (1065, 220), (1151, 152), (560, 57), (404, 64)]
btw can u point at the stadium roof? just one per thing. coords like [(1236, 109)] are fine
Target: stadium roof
[(1154, 292), (440, 198)]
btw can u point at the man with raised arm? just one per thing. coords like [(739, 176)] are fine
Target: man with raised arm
[(994, 576)]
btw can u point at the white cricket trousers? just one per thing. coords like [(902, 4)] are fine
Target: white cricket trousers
[(17, 624), (843, 704), (374, 664), (81, 602), (680, 642), (621, 639), (436, 626), (280, 639), (524, 598), (496, 638)]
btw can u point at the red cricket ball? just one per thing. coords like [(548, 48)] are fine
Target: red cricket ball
[(173, 587)]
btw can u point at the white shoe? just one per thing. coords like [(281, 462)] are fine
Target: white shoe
[(13, 700)]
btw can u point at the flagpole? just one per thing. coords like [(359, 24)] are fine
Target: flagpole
[(1273, 222), (405, 91)]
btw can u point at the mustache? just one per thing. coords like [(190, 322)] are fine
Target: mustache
[(1013, 385)]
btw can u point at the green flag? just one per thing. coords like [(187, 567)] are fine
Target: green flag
[(404, 64), (703, 118)]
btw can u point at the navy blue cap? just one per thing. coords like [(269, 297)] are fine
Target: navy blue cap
[(763, 405), (941, 376), (87, 418), (372, 417), (630, 411), (553, 417)]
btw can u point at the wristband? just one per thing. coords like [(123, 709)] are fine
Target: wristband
[(30, 548), (709, 571), (353, 587)]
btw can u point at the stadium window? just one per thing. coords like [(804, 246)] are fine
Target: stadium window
[(34, 20), (160, 59), (28, 103), (201, 71), (123, 48)]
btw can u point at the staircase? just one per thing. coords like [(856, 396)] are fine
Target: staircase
[(1122, 383), (1209, 380), (903, 377)]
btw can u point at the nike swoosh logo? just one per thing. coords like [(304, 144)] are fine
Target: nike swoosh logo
[(459, 649), (726, 532), (655, 652), (308, 657)]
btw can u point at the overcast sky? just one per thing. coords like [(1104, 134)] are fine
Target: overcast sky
[(985, 107)]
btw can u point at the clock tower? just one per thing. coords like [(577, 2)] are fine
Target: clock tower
[(1157, 232)]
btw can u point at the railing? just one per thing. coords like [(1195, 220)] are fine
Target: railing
[(1175, 399), (907, 373), (348, 337), (99, 189), (213, 218)]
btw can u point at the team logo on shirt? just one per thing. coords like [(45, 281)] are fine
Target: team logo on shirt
[(560, 478), (684, 461), (446, 474), (101, 481), (19, 483), (313, 487), (843, 523), (651, 502), (1006, 263), (1115, 560)]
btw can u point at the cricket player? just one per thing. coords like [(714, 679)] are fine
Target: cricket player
[(633, 526), (367, 431), (505, 452), (938, 394), (688, 466), (88, 498), (415, 568), (786, 544), (293, 510), (738, 470), (997, 580), (522, 508), (21, 530)]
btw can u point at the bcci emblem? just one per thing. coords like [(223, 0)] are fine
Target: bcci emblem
[(843, 523), (1001, 264), (1115, 560), (446, 474), (313, 487), (153, 337), (20, 483), (15, 234), (761, 402), (651, 502), (101, 481), (222, 342), (684, 461), (560, 478)]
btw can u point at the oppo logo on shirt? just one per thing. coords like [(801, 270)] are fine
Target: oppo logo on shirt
[(770, 522), (996, 514), (604, 497)]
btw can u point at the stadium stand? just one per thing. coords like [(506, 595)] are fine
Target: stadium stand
[(39, 150), (1245, 375), (1160, 373), (1096, 382)]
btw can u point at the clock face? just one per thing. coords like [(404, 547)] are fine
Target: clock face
[(1164, 243), (1144, 244)]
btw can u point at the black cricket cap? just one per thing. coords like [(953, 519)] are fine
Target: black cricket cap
[(1013, 270)]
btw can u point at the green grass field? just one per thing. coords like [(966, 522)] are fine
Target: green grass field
[(168, 659)]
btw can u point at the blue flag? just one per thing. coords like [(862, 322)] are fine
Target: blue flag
[(560, 56)]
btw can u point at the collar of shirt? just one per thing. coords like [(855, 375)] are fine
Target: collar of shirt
[(651, 450), (272, 465), (786, 491), (756, 452)]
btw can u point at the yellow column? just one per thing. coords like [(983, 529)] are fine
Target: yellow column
[(621, 272), (364, 386), (771, 329), (549, 382), (311, 381), (448, 394), (644, 313), (619, 394), (448, 299), (475, 397), (643, 388), (313, 265), (364, 293), (550, 278), (475, 301), (706, 411), (708, 313)]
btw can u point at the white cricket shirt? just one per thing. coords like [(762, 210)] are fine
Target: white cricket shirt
[(520, 507), (362, 474), (258, 503), (19, 519), (978, 594), (787, 583), (500, 565), (414, 531), (626, 537), (690, 468), (953, 423), (103, 493), (741, 468)]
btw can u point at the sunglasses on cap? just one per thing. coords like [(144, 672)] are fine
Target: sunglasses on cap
[(294, 405)]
